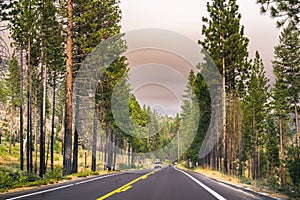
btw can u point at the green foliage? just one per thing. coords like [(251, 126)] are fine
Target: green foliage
[(195, 115), (285, 10), (12, 82), (86, 173), (6, 181), (224, 38), (293, 164), (55, 174), (5, 9)]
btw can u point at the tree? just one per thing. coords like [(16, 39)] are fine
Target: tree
[(67, 160), (6, 9), (286, 88), (93, 22), (284, 9), (13, 91), (226, 44), (287, 64), (280, 105), (256, 108), (23, 31)]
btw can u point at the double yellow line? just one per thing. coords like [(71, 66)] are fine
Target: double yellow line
[(125, 187)]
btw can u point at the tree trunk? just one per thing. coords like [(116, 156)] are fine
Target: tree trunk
[(115, 154), (282, 170), (132, 156), (11, 129), (75, 149), (53, 122), (110, 150), (67, 162), (42, 115), (29, 121), (128, 153), (94, 147), (297, 124), (36, 125), (224, 107), (21, 114)]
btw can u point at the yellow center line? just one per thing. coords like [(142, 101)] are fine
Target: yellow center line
[(125, 187)]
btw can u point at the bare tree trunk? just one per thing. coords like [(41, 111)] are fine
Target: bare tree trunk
[(297, 124), (133, 156), (53, 122), (67, 162), (42, 115), (110, 150), (94, 147), (11, 129), (29, 128), (114, 154), (224, 107), (128, 155), (21, 114), (75, 149), (36, 125), (282, 170), (233, 145)]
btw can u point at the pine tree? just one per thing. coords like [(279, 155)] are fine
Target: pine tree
[(6, 9), (287, 64), (13, 91), (286, 88), (256, 105), (227, 46), (67, 160), (283, 9), (94, 21), (23, 31)]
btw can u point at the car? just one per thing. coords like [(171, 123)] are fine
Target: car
[(157, 164)]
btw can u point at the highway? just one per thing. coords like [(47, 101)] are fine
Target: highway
[(167, 183)]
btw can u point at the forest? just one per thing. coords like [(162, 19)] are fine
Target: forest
[(39, 107)]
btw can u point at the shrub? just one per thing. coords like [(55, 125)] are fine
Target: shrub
[(55, 174), (6, 181)]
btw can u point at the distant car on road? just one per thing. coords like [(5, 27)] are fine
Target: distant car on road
[(157, 164)]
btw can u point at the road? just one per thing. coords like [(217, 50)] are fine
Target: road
[(167, 183)]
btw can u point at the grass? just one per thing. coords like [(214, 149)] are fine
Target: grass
[(12, 178), (256, 185)]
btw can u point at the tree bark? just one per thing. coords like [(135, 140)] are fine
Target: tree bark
[(75, 149), (53, 122), (94, 148), (297, 124), (21, 114), (42, 115), (224, 106), (29, 128), (67, 160), (282, 170)]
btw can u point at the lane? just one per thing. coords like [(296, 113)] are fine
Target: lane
[(224, 190), (164, 184), (82, 190), (171, 183)]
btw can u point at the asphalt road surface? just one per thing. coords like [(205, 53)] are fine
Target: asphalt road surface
[(167, 183)]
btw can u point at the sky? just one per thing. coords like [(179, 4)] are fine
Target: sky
[(185, 17)]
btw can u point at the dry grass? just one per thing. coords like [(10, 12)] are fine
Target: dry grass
[(257, 186)]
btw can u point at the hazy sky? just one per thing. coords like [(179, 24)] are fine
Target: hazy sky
[(185, 17)]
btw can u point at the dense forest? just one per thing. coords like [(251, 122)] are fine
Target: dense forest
[(40, 108)]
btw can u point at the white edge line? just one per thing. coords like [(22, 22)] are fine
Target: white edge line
[(40, 192), (61, 187), (215, 194)]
